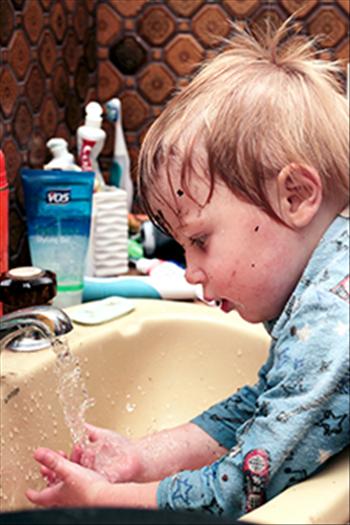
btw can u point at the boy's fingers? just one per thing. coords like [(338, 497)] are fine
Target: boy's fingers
[(53, 461), (44, 497), (76, 454), (93, 432), (87, 459), (49, 476)]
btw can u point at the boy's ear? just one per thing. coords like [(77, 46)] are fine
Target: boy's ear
[(299, 194)]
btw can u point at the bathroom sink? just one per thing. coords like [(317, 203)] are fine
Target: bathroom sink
[(153, 368)]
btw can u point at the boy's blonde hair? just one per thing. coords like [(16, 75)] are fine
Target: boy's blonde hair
[(261, 104)]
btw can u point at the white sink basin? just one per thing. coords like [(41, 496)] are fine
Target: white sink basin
[(153, 368)]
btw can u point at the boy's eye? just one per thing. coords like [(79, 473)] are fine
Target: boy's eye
[(199, 242)]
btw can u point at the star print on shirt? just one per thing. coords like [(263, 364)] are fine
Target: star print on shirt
[(331, 423), (298, 363), (294, 385), (283, 358), (304, 333), (262, 409), (210, 473), (344, 384), (213, 508), (342, 328), (182, 490), (297, 475), (324, 366)]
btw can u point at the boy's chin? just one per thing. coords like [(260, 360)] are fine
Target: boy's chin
[(251, 317)]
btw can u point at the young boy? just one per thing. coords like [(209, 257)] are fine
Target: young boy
[(248, 169)]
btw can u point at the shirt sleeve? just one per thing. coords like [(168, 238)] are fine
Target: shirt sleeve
[(299, 421), (222, 420)]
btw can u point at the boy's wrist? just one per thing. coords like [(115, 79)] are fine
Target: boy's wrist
[(133, 495), (140, 466), (98, 494)]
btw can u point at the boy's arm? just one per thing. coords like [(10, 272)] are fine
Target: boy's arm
[(186, 447), (301, 419), (150, 458), (222, 420), (169, 451)]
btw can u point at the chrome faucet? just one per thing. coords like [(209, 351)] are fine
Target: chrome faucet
[(33, 328)]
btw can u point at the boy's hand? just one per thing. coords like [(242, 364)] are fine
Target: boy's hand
[(110, 454), (71, 485)]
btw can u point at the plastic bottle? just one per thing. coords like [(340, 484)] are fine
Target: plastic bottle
[(4, 218), (62, 159), (90, 139), (120, 169), (58, 209)]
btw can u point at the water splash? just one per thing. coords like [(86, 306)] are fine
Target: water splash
[(72, 391)]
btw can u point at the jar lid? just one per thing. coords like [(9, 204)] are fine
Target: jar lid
[(27, 286), (25, 272)]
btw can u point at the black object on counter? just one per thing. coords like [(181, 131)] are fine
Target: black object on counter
[(110, 516), (27, 286)]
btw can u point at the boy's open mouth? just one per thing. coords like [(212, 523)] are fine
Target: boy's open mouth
[(226, 306)]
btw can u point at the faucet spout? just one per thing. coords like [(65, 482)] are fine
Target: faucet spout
[(33, 328)]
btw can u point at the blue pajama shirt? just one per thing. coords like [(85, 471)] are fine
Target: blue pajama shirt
[(284, 428)]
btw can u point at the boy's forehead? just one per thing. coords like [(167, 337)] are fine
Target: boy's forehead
[(182, 186), (178, 208)]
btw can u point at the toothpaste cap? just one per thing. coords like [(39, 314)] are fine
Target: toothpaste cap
[(93, 114)]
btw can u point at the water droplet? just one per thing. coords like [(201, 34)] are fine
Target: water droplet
[(130, 407)]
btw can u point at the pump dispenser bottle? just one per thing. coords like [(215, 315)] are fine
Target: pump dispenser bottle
[(62, 159), (90, 141)]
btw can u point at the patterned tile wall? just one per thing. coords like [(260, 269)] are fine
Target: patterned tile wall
[(48, 71), (147, 49), (144, 50)]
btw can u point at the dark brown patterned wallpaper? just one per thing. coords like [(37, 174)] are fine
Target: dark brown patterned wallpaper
[(58, 54), (48, 71)]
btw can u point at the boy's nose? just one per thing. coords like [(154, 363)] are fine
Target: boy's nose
[(194, 275)]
